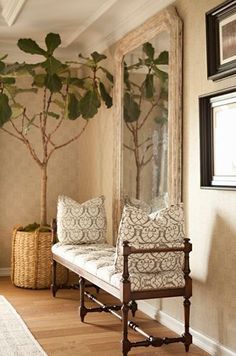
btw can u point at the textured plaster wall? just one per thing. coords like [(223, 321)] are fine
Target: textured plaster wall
[(20, 180), (210, 214), (96, 157)]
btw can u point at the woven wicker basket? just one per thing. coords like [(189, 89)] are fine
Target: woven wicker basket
[(31, 260)]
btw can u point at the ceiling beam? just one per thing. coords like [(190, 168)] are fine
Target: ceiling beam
[(11, 10)]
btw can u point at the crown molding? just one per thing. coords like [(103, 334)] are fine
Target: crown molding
[(97, 14), (140, 15), (11, 10)]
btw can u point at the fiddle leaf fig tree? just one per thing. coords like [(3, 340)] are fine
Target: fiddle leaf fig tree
[(63, 96), (143, 99)]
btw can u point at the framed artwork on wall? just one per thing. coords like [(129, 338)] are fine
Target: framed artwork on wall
[(217, 139), (221, 40)]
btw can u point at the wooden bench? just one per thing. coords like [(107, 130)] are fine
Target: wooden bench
[(95, 263)]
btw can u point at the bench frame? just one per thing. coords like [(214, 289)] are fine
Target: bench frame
[(128, 297)]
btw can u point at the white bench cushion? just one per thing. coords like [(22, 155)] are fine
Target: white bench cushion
[(98, 259)]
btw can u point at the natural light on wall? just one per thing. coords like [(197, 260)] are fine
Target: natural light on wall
[(224, 144)]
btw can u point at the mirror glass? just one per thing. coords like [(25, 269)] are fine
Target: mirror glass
[(145, 122), (148, 115)]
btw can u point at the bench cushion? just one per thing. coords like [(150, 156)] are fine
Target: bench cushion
[(164, 229), (81, 223), (98, 259)]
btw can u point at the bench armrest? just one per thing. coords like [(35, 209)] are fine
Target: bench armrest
[(133, 250)]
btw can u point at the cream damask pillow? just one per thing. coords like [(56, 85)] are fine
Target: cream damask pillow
[(81, 223), (165, 229)]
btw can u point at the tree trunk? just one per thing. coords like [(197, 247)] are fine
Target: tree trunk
[(43, 202), (138, 172)]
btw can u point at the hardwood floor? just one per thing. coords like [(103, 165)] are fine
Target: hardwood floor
[(56, 325)]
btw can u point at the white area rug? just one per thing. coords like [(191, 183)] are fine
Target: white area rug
[(15, 337)]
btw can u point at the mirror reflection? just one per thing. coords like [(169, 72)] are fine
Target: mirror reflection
[(145, 122)]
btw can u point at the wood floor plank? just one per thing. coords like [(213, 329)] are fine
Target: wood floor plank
[(56, 325)]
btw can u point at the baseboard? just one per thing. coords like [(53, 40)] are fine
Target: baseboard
[(204, 342), (5, 272)]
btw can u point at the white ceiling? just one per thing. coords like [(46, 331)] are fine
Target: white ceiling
[(84, 25)]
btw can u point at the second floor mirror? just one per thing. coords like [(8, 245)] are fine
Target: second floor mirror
[(148, 114)]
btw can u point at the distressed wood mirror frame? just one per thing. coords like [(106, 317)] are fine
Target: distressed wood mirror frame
[(166, 20)]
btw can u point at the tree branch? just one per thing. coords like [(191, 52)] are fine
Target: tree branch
[(55, 129), (12, 134), (129, 148), (129, 128), (143, 156), (146, 162), (76, 137), (143, 143), (147, 115)]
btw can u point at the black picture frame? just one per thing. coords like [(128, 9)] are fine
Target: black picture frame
[(217, 113), (221, 40)]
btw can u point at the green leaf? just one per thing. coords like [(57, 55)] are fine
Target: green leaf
[(77, 82), (148, 49), (17, 110), (29, 46), (53, 65), (163, 58), (126, 77), (80, 55), (89, 104), (164, 94), (31, 227), (161, 120), (53, 83), (105, 96), (19, 68), (131, 108), (29, 124), (108, 74), (52, 40), (53, 114), (14, 90), (163, 76), (3, 57), (97, 57), (73, 107), (39, 80), (2, 66), (7, 80), (5, 110), (148, 86), (59, 103)]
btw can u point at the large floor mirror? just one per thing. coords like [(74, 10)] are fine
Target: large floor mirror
[(148, 114)]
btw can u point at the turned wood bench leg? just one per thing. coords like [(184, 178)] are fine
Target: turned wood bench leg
[(133, 307), (187, 335), (54, 287), (125, 344), (82, 309)]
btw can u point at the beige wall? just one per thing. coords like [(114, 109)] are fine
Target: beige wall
[(210, 214), (20, 180)]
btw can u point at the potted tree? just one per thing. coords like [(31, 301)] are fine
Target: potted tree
[(63, 96)]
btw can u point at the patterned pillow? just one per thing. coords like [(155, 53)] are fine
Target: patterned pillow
[(165, 230), (81, 223)]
